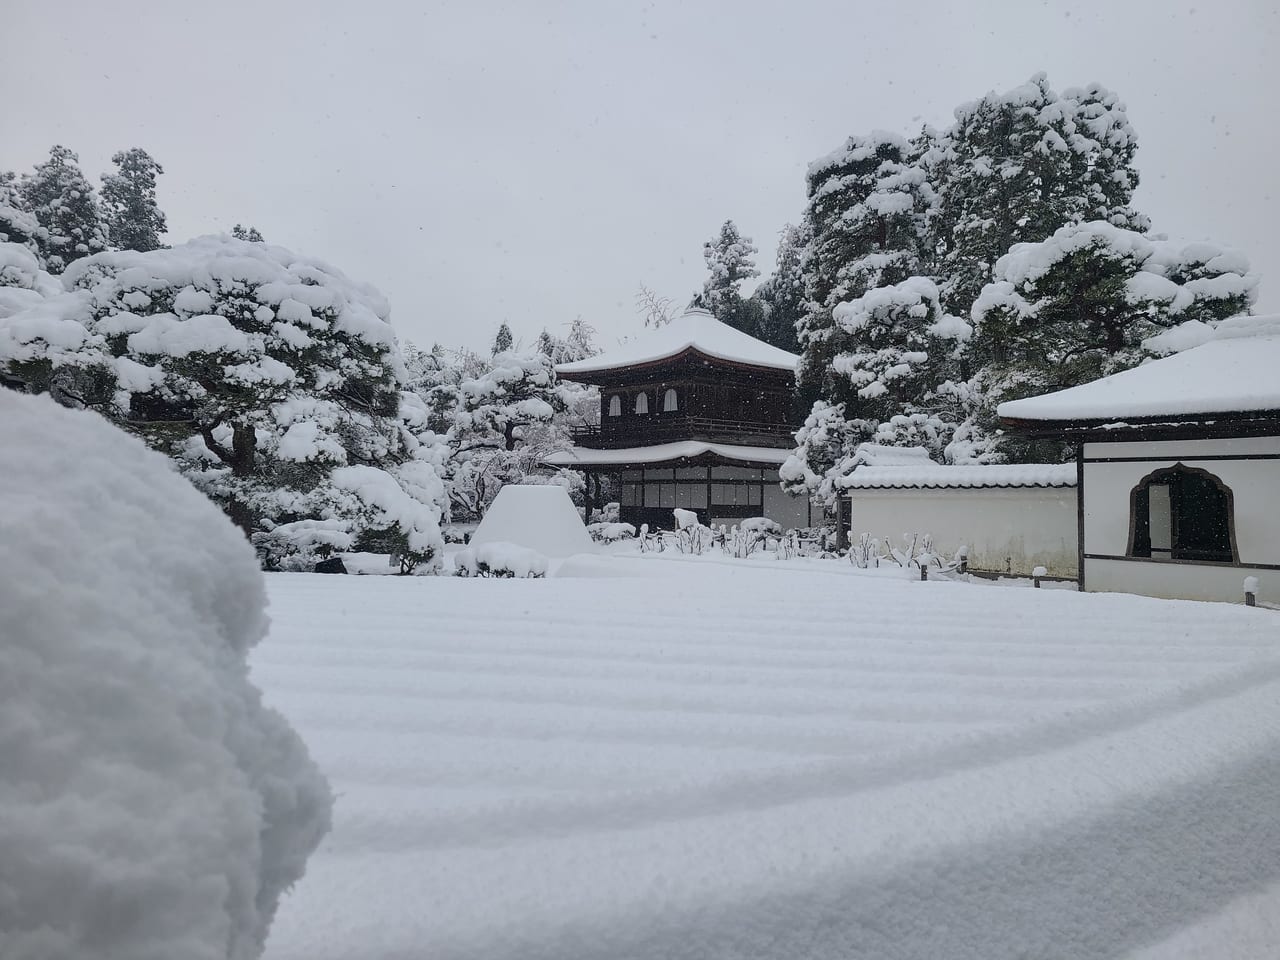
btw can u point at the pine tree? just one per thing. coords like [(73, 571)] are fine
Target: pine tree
[(63, 202), (503, 341), (133, 218), (1091, 300), (250, 234), (729, 262), (782, 293), (1017, 166), (17, 223)]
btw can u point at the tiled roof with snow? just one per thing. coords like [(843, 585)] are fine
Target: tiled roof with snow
[(696, 330), (664, 452), (881, 455), (1235, 371), (941, 475)]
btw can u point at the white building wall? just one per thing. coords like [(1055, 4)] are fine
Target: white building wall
[(1013, 529), (1255, 488)]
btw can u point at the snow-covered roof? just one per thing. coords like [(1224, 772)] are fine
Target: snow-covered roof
[(663, 452), (1236, 371), (696, 330), (963, 475)]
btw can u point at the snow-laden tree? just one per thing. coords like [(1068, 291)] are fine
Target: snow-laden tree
[(273, 381), (133, 217), (1091, 300), (654, 309), (1016, 166), (730, 261), (62, 200), (903, 354), (17, 223), (866, 215), (241, 232), (824, 445)]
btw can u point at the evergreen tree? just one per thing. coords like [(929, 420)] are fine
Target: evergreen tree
[(729, 262), (866, 216), (782, 293), (17, 223), (250, 234), (1017, 166), (1091, 300), (503, 341), (63, 202), (133, 218)]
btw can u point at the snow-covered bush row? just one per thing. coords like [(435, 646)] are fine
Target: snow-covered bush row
[(272, 380), (152, 806), (500, 559), (611, 532)]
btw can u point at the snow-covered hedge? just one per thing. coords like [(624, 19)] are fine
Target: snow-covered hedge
[(500, 559), (150, 805), (611, 532)]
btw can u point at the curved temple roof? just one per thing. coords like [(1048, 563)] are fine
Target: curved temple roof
[(696, 330), (665, 452)]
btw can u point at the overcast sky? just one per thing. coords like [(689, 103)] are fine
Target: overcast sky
[(532, 162)]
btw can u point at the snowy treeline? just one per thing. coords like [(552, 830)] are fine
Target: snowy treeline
[(931, 278)]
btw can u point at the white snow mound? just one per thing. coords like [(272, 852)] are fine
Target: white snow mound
[(540, 518), (150, 806)]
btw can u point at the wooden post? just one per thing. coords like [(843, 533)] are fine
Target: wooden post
[(586, 497), (1250, 591), (844, 507), (924, 571), (1036, 574)]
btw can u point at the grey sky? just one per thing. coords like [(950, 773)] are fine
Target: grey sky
[(531, 162)]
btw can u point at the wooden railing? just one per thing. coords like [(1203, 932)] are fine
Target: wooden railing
[(635, 431)]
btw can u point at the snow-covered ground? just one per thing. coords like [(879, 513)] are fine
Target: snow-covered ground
[(657, 757)]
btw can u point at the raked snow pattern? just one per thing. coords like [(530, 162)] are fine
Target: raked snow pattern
[(687, 758)]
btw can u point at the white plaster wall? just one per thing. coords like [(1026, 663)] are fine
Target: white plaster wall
[(1185, 581), (791, 512), (1255, 488), (1014, 528)]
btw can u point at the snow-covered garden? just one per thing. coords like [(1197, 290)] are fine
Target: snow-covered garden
[(671, 756)]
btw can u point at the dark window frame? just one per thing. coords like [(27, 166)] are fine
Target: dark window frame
[(1139, 545)]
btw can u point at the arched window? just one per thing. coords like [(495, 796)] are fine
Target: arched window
[(642, 402), (615, 406), (1182, 513), (670, 402)]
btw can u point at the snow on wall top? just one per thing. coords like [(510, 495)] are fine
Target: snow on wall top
[(697, 330), (662, 452), (882, 455), (941, 475), (1233, 372)]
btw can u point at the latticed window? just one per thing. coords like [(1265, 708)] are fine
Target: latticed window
[(615, 406), (1182, 513), (642, 403), (670, 402)]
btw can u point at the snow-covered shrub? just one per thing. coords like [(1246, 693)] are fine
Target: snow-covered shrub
[(693, 537), (500, 560), (152, 807), (611, 512), (262, 373), (611, 532)]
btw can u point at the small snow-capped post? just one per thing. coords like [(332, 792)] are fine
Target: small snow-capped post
[(1037, 574), (1250, 591), (924, 571), (962, 558)]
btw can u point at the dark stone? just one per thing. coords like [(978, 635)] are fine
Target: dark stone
[(331, 565)]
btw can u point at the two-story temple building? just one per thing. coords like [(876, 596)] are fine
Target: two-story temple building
[(693, 414)]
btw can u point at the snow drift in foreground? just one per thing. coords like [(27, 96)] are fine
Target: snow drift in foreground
[(150, 806)]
